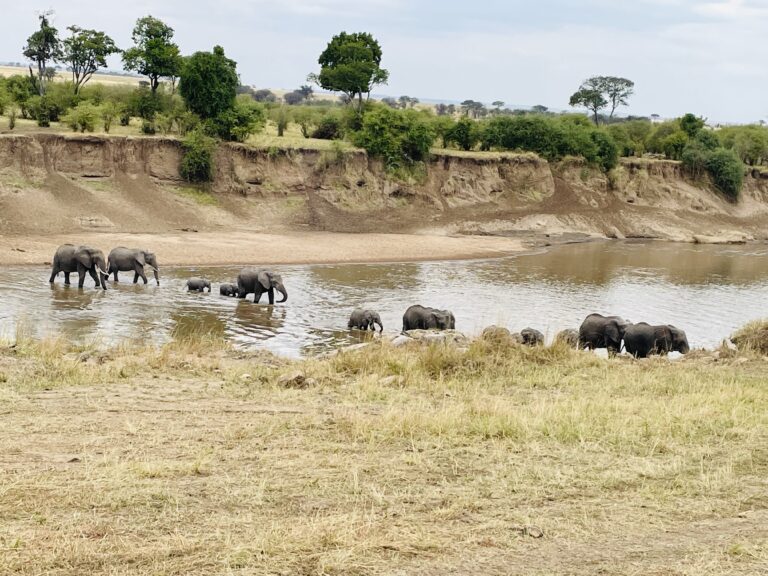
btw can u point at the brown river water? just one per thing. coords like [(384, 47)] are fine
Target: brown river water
[(709, 291)]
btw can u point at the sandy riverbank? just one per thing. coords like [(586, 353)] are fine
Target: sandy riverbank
[(243, 247)]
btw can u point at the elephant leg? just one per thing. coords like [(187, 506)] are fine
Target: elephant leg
[(115, 273), (80, 275), (256, 296), (94, 275), (140, 274), (136, 277), (66, 278), (271, 294), (54, 273)]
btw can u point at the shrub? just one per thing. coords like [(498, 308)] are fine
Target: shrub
[(694, 158), (12, 112), (109, 111), (148, 127), (82, 117), (329, 128), (727, 172), (282, 118), (753, 337), (197, 162), (306, 118), (237, 123), (5, 98), (44, 110), (708, 140), (399, 138), (674, 144), (607, 150), (465, 134)]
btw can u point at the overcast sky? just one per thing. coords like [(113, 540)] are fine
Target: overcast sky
[(707, 57)]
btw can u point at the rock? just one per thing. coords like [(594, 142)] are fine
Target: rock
[(496, 334), (438, 336), (517, 338), (532, 337), (295, 379), (245, 377), (569, 337), (728, 238), (401, 340), (615, 233)]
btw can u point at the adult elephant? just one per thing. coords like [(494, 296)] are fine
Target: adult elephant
[(365, 319), (256, 281), (123, 259), (81, 259), (642, 340), (419, 317), (599, 331)]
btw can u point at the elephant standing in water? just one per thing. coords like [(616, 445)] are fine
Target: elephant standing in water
[(80, 259), (364, 319), (134, 260), (257, 281), (642, 339), (599, 331), (228, 289), (422, 318), (198, 285)]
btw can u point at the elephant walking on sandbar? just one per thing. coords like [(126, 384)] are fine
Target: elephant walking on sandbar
[(81, 259), (419, 317), (134, 260), (256, 281), (642, 340), (599, 331), (365, 319)]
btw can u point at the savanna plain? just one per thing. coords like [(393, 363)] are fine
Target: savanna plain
[(197, 458)]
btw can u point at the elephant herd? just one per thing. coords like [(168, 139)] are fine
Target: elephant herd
[(597, 331)]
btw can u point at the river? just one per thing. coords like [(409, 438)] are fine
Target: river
[(709, 291)]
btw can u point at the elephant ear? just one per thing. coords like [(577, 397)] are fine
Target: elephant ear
[(84, 257), (663, 334), (612, 332), (140, 258), (264, 279)]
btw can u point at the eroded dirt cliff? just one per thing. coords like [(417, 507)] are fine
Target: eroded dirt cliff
[(56, 183)]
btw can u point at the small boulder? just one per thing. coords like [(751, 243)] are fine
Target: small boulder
[(532, 337), (569, 337)]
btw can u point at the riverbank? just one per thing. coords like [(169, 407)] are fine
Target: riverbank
[(198, 458), (241, 247)]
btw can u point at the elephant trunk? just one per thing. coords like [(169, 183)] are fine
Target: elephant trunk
[(283, 291)]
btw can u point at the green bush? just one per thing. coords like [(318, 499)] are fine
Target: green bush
[(674, 144), (727, 172), (197, 162), (329, 128), (44, 110), (237, 123), (109, 111), (465, 134), (82, 117), (694, 158), (399, 137), (12, 112)]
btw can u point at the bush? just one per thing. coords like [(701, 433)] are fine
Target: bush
[(607, 150), (674, 144), (306, 118), (399, 138), (237, 123), (82, 117), (465, 134), (752, 337), (695, 158), (197, 162), (44, 110), (282, 118), (329, 128), (727, 172), (148, 127), (12, 112), (109, 111)]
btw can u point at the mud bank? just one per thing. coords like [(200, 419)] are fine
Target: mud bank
[(55, 184)]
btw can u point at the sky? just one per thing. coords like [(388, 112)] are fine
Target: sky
[(705, 57)]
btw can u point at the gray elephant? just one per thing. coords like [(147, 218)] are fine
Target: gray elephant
[(80, 259), (123, 259), (569, 337), (198, 285), (642, 340), (365, 319), (228, 289), (599, 331), (532, 337), (419, 317), (256, 281)]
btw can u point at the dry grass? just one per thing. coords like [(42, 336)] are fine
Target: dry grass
[(753, 337), (192, 458)]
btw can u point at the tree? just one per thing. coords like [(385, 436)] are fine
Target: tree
[(264, 95), (293, 98), (351, 64), (391, 102), (209, 83), (43, 48), (86, 51), (154, 54), (498, 104), (590, 99), (473, 109), (306, 91), (599, 92), (539, 109), (691, 124)]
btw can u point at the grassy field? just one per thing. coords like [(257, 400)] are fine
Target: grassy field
[(107, 79), (195, 458)]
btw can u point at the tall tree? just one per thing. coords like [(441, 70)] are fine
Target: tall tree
[(86, 51), (617, 91), (154, 54), (209, 83), (590, 99), (43, 48), (600, 92), (351, 64)]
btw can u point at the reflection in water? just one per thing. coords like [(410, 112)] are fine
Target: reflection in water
[(707, 290)]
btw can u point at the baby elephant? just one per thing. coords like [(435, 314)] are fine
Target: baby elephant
[(365, 319), (228, 289), (532, 337), (642, 340), (198, 285)]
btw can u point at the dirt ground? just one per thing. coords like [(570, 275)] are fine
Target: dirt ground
[(242, 247)]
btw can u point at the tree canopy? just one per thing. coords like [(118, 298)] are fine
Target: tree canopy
[(42, 48), (86, 51), (600, 92), (209, 83), (154, 54), (351, 64)]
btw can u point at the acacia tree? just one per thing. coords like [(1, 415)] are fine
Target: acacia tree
[(43, 48), (600, 92), (86, 51), (154, 54), (351, 64)]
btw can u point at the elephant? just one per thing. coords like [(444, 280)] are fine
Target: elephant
[(642, 339), (228, 289), (364, 319), (198, 285), (532, 337), (258, 281), (123, 259), (569, 337), (80, 259), (599, 331), (418, 317)]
